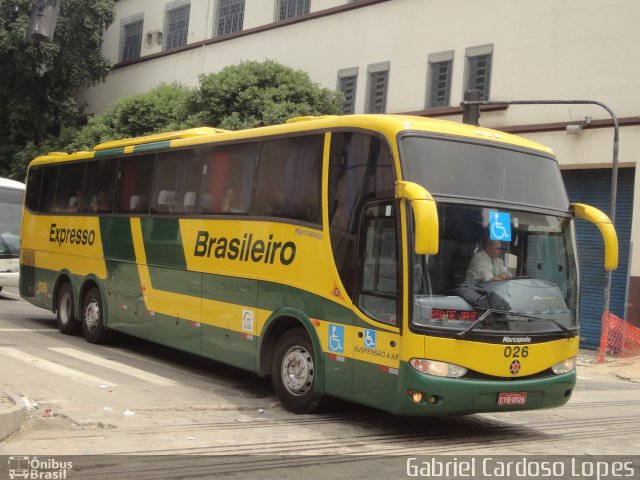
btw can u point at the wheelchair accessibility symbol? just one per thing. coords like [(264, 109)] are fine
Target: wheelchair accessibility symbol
[(336, 338), (369, 338), (500, 226)]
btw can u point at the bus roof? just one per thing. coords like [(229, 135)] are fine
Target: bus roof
[(8, 183), (389, 125)]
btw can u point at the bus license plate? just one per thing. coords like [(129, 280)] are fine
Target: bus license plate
[(512, 398)]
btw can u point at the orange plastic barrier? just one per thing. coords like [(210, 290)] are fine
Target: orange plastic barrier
[(619, 338)]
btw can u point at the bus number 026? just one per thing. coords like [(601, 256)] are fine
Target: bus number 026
[(516, 352)]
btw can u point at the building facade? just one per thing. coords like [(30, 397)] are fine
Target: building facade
[(419, 56)]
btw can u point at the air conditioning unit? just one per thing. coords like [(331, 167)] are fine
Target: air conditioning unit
[(152, 38)]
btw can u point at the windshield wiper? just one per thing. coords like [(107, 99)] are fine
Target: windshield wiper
[(564, 329), (486, 314), (480, 321)]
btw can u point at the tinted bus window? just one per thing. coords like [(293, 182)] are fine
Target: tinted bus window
[(100, 185), (289, 178), (48, 196), (34, 182), (359, 170), (176, 182), (134, 184), (69, 192), (227, 180)]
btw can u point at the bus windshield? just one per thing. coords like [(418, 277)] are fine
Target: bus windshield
[(528, 275), (473, 170)]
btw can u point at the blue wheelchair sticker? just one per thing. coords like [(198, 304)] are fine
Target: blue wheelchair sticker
[(336, 338), (500, 226), (369, 338)]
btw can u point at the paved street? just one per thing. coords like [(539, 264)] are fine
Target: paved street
[(133, 397)]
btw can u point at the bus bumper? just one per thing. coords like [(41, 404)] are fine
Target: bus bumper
[(455, 396)]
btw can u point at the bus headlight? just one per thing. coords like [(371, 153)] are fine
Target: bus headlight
[(436, 368), (565, 366)]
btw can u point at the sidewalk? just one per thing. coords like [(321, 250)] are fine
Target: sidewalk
[(13, 412), (620, 368)]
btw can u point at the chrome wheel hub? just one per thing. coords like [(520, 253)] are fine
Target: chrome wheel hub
[(92, 315), (297, 370)]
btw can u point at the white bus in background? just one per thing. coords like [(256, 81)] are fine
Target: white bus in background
[(11, 196)]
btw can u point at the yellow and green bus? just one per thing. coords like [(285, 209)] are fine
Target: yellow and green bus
[(329, 253)]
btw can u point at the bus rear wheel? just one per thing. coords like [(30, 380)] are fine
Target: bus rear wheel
[(93, 317), (294, 372), (65, 311)]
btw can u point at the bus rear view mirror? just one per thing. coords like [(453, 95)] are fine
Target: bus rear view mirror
[(425, 215), (602, 221)]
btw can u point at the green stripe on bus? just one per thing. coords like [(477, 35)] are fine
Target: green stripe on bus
[(148, 147), (163, 242), (273, 296), (246, 292), (109, 152), (117, 241)]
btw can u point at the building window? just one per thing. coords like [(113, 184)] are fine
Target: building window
[(377, 85), (230, 17), (131, 38), (478, 70), (439, 70), (291, 8), (176, 25), (347, 83)]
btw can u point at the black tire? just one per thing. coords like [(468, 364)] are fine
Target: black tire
[(93, 318), (294, 372), (65, 311)]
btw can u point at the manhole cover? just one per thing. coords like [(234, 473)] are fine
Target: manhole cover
[(241, 392)]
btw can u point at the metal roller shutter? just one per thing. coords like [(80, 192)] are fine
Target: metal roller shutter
[(593, 187)]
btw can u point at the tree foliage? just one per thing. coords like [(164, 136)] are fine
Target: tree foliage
[(38, 80), (161, 109), (250, 94), (254, 94)]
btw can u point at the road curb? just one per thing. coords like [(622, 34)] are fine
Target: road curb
[(11, 418)]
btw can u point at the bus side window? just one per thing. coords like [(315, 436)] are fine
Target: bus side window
[(289, 178), (378, 266), (34, 183), (133, 188), (99, 186), (70, 184), (227, 179), (176, 181), (48, 196), (359, 170)]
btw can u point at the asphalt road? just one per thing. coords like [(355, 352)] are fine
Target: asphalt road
[(180, 416)]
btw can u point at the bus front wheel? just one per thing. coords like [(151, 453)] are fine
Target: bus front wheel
[(294, 372), (93, 317), (65, 311)]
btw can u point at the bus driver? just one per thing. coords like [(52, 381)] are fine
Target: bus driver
[(486, 264)]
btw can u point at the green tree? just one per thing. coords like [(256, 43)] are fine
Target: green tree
[(247, 95), (161, 109), (38, 80), (254, 94)]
